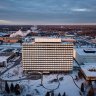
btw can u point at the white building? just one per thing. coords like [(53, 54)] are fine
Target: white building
[(47, 55), (5, 57), (89, 71), (87, 55)]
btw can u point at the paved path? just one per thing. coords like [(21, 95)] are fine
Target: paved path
[(17, 62), (50, 86), (76, 85), (74, 82)]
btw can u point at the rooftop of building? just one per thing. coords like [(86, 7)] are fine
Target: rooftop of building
[(47, 40), (89, 51), (3, 58), (89, 69)]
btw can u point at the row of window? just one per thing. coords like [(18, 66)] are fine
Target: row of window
[(47, 44), (47, 61), (48, 47), (55, 47), (24, 54), (55, 51), (49, 53), (46, 68), (54, 65), (48, 64), (44, 59)]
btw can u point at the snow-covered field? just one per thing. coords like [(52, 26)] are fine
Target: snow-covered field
[(34, 86)]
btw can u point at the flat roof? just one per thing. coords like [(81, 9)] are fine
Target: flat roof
[(80, 51), (62, 43), (47, 39), (89, 70), (3, 58), (90, 49)]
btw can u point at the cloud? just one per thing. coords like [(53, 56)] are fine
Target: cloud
[(80, 10), (5, 22), (47, 11)]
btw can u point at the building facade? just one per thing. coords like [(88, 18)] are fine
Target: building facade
[(47, 55), (85, 55)]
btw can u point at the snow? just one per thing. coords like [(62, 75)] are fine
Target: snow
[(34, 86), (80, 51), (20, 33), (3, 58), (2, 33), (12, 74), (31, 86), (86, 68), (15, 45), (23, 34)]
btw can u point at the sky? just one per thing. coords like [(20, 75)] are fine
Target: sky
[(47, 12)]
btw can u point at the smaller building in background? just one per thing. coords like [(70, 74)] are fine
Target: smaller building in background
[(5, 57), (10, 39), (68, 40), (87, 55)]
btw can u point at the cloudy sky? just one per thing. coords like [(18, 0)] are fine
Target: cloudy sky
[(47, 11)]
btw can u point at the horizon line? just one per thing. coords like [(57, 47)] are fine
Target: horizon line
[(53, 24)]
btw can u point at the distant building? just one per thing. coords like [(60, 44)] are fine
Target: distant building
[(69, 36), (10, 39), (5, 57), (69, 40), (47, 55), (87, 55)]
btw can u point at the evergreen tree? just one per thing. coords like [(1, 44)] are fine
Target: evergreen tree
[(47, 94), (64, 94), (59, 94), (79, 74), (52, 94), (82, 87), (17, 89), (12, 87), (91, 92), (17, 92), (7, 87)]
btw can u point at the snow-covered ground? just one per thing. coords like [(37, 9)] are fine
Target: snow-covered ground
[(34, 86), (9, 45), (13, 74), (66, 84)]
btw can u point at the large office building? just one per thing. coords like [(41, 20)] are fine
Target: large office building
[(47, 55)]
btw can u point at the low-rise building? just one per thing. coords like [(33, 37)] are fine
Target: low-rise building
[(10, 39), (85, 55), (89, 71), (5, 58)]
